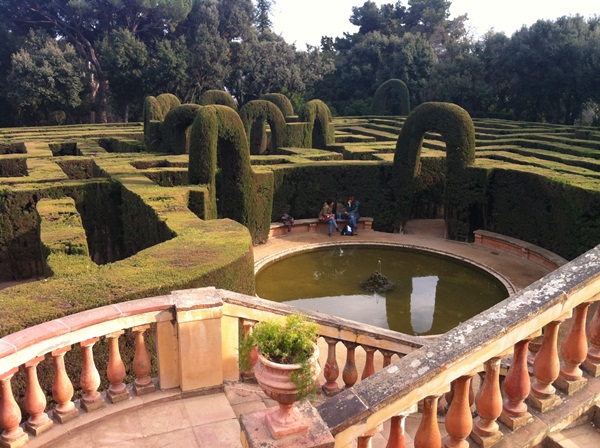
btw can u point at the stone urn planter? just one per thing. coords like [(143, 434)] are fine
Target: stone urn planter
[(287, 367), (276, 381)]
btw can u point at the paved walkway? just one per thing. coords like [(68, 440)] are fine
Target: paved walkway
[(164, 419)]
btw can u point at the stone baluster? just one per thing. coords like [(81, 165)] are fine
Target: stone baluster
[(331, 371), (489, 406), (350, 373), (141, 363), (90, 378), (35, 400), (387, 357), (428, 434), (369, 362), (115, 370), (546, 368), (366, 440), (574, 351), (397, 437), (62, 388), (248, 325), (592, 363), (517, 386), (459, 421), (10, 414)]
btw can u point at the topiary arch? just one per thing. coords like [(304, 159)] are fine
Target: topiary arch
[(259, 111), (217, 97), (457, 130), (318, 116), (281, 101), (217, 135), (174, 128), (392, 88)]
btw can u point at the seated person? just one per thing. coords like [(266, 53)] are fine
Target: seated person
[(326, 214), (352, 213)]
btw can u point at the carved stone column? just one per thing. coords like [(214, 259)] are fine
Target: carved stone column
[(35, 400), (459, 421), (592, 363), (331, 371), (62, 388), (428, 434), (115, 370), (90, 378), (350, 373), (141, 363), (574, 351), (489, 406), (517, 386), (369, 362), (10, 414)]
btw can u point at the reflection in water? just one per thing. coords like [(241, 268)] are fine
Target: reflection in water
[(422, 303), (431, 293)]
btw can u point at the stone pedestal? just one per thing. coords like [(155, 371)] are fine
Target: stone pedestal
[(543, 404), (591, 367), (486, 441), (254, 432), (515, 422), (570, 387)]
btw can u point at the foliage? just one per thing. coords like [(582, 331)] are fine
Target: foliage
[(281, 101), (318, 116), (46, 75), (392, 95), (174, 127), (217, 97), (289, 342)]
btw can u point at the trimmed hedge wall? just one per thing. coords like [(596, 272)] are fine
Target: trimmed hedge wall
[(218, 133), (318, 116), (174, 128), (281, 101), (457, 130), (259, 111), (391, 98), (217, 97)]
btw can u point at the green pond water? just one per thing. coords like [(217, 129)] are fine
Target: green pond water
[(431, 293)]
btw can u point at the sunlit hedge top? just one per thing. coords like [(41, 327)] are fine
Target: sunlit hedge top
[(391, 88), (217, 97), (281, 101)]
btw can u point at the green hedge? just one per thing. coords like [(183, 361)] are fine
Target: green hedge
[(174, 128), (217, 97), (457, 130), (391, 98), (261, 111), (318, 116), (281, 101), (218, 133)]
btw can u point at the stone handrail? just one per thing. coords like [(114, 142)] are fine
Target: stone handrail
[(476, 345), (536, 254)]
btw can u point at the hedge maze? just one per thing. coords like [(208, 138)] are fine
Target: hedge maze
[(116, 212)]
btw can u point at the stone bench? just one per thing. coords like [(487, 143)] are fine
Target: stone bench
[(535, 254), (316, 225)]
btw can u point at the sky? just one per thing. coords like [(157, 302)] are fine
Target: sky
[(305, 21)]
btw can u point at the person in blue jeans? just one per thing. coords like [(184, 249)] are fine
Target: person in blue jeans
[(352, 213), (326, 214)]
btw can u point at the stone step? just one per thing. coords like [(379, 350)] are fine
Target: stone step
[(583, 433)]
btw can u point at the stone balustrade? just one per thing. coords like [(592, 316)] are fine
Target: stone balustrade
[(198, 332), (183, 321)]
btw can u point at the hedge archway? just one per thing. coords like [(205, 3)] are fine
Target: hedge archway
[(167, 102), (392, 88), (218, 135), (318, 116), (259, 111), (217, 97), (457, 130), (174, 128), (281, 101)]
